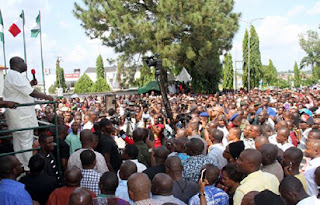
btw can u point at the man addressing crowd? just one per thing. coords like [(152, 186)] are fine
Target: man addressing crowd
[(17, 88)]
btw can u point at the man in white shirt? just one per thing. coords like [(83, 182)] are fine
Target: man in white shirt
[(92, 119), (17, 88), (216, 149), (312, 151), (293, 192), (282, 139)]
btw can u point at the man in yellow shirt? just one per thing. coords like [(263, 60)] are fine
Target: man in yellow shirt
[(249, 163)]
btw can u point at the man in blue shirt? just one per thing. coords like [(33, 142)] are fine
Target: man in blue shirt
[(271, 111), (11, 191), (212, 194)]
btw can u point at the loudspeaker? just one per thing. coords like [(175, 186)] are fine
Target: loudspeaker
[(110, 101)]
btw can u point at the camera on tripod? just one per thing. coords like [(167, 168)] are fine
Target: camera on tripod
[(154, 61)]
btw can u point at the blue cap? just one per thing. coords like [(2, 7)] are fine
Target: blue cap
[(234, 116), (204, 114)]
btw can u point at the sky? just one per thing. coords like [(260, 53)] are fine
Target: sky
[(63, 36)]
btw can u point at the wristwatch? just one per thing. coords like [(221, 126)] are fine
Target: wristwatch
[(150, 149), (203, 194)]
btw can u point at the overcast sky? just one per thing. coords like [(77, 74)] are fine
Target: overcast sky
[(63, 36)]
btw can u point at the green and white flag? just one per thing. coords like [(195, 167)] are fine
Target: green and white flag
[(36, 28), (1, 28)]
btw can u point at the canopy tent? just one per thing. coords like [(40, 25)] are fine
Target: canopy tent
[(183, 76), (151, 86)]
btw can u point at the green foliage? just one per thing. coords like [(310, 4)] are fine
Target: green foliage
[(255, 59), (297, 76), (228, 72), (126, 74), (60, 81), (310, 43), (52, 89), (83, 85), (100, 67), (268, 73), (316, 73), (191, 34), (245, 59), (100, 85), (146, 75), (282, 83)]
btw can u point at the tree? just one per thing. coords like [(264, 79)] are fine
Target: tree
[(245, 59), (191, 34), (297, 76), (310, 43), (100, 67), (228, 72), (60, 81), (255, 59), (268, 73), (316, 73), (146, 75), (100, 85), (83, 85)]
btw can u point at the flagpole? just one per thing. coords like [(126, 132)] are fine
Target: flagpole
[(24, 40), (43, 79), (3, 47)]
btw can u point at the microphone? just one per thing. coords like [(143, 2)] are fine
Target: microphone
[(33, 72)]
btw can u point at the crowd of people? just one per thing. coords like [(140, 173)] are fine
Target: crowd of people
[(261, 147)]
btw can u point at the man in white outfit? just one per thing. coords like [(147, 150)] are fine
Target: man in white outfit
[(17, 88)]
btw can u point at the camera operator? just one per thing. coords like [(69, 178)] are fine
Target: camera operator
[(144, 118)]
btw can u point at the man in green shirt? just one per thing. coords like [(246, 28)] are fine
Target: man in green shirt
[(73, 139)]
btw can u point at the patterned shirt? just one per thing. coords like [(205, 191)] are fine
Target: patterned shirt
[(193, 166), (213, 195), (146, 202), (91, 180), (183, 157)]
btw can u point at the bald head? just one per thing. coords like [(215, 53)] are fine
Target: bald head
[(195, 147), (10, 167), (294, 155), (73, 176), (269, 153), (173, 165), (127, 169), (249, 161), (162, 184), (216, 136), (182, 133), (161, 154), (291, 189), (212, 173), (280, 124), (139, 186), (261, 140), (80, 196), (18, 64), (86, 137)]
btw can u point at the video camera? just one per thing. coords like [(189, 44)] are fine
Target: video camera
[(154, 61)]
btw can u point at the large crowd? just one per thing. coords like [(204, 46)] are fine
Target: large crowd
[(261, 147)]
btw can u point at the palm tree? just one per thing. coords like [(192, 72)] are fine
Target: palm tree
[(311, 59)]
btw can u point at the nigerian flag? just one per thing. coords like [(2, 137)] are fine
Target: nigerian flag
[(1, 28), (36, 28)]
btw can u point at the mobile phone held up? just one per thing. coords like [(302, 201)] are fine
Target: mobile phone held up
[(203, 175)]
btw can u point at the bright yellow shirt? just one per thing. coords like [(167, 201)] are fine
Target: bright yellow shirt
[(256, 181)]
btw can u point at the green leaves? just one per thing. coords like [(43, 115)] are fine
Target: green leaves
[(100, 67), (310, 43), (190, 34), (255, 59), (83, 85), (228, 72), (297, 76)]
